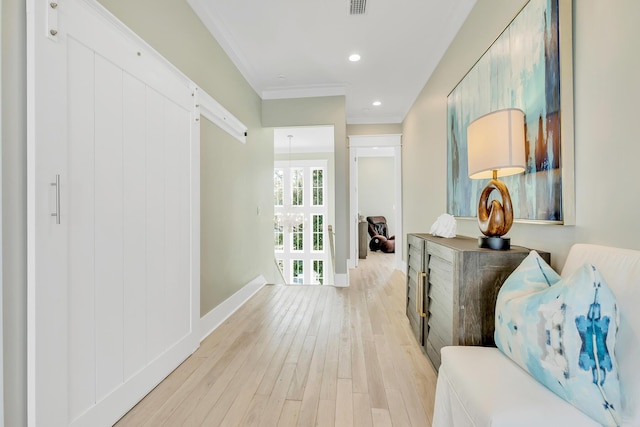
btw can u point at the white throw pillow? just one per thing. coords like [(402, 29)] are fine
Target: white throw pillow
[(563, 332)]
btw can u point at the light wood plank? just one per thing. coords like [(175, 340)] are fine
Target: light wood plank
[(290, 412), (344, 356), (247, 380), (305, 355), (196, 405), (254, 411), (361, 410), (344, 403), (270, 299), (302, 369), (208, 372), (330, 372), (144, 410), (397, 409), (277, 398), (270, 377), (381, 418), (311, 396), (358, 366), (387, 364), (237, 411), (374, 376), (218, 382), (326, 414)]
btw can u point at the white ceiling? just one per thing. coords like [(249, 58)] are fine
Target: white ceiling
[(293, 48)]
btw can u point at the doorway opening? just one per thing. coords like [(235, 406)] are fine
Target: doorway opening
[(375, 184), (304, 204)]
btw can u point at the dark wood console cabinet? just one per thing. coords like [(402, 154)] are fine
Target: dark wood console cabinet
[(452, 286)]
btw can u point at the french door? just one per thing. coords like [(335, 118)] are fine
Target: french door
[(113, 216), (300, 221)]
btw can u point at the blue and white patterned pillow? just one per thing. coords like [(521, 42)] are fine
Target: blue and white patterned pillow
[(563, 332)]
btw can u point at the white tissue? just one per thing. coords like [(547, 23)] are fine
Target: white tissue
[(445, 226)]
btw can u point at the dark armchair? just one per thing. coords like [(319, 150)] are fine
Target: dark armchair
[(380, 239)]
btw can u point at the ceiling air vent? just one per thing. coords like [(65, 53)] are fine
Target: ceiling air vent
[(357, 7)]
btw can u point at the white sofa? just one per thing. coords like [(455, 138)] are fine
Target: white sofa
[(480, 386)]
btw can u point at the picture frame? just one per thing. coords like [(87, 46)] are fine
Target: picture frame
[(530, 67)]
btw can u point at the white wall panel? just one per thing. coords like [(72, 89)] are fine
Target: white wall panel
[(184, 202), (135, 213), (80, 212), (108, 227), (173, 140), (172, 216), (155, 262), (114, 303)]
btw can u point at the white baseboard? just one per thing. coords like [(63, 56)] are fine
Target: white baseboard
[(342, 280), (210, 321)]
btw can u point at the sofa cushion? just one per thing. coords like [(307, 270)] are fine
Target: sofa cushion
[(500, 394), (563, 332)]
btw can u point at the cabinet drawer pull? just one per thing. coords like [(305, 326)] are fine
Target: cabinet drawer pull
[(57, 212), (420, 294), (418, 280)]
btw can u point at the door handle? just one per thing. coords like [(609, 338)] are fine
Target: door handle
[(57, 185)]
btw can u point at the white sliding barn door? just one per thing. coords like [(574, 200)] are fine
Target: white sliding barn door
[(113, 296)]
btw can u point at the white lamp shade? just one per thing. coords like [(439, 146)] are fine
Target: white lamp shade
[(495, 141)]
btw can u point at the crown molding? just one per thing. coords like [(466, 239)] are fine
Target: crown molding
[(304, 92), (224, 39), (374, 120)]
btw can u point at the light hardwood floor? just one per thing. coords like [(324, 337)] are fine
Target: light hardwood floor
[(304, 356)]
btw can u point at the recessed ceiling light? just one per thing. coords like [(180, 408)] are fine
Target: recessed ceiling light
[(354, 57), (376, 103)]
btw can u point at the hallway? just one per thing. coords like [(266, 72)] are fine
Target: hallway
[(304, 355)]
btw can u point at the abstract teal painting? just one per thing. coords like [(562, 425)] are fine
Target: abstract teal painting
[(521, 69)]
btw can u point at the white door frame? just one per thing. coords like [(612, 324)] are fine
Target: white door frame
[(357, 143), (1, 251)]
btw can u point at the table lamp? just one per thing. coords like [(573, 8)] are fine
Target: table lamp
[(495, 147)]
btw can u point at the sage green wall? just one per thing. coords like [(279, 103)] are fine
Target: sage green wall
[(377, 189), (606, 60), (313, 112), (236, 179)]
